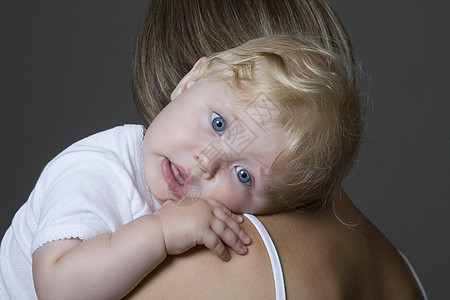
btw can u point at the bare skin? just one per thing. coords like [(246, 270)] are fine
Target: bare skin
[(321, 259), (110, 265)]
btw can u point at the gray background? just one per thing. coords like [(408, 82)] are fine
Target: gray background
[(65, 74)]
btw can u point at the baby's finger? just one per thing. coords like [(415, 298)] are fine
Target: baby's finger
[(220, 207), (229, 219), (237, 218), (228, 236), (213, 242)]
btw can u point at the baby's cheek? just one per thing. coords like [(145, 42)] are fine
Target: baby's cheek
[(238, 203), (227, 195)]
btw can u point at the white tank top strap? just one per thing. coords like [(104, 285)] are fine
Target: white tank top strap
[(280, 291), (424, 294)]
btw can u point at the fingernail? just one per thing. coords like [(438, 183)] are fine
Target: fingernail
[(240, 218), (248, 239)]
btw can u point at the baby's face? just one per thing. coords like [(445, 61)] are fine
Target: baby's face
[(207, 144)]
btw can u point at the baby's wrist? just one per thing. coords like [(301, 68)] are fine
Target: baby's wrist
[(161, 233)]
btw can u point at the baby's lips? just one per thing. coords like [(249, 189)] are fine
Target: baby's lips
[(177, 189), (185, 176)]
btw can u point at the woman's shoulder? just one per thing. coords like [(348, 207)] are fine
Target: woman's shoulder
[(325, 256), (322, 257), (308, 268), (199, 273), (304, 252)]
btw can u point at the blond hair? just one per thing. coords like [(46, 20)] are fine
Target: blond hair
[(315, 91), (175, 34)]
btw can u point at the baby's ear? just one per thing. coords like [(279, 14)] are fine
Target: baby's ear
[(190, 78)]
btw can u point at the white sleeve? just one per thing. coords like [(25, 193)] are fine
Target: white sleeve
[(80, 196)]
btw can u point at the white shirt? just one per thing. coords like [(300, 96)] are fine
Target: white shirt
[(94, 186)]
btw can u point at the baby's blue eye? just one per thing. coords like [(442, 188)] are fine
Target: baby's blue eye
[(243, 175), (218, 123)]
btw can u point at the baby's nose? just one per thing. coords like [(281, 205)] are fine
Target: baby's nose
[(212, 171), (208, 163)]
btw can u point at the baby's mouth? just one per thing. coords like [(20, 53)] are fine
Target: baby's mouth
[(178, 176), (177, 179)]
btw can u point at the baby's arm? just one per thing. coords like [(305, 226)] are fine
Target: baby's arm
[(110, 265)]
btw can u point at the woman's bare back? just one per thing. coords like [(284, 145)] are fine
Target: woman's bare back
[(322, 258)]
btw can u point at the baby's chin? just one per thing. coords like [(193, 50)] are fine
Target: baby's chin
[(165, 196), (161, 199)]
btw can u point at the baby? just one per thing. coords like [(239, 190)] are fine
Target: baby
[(246, 130)]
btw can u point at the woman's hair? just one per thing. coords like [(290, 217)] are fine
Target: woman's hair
[(175, 34), (315, 92)]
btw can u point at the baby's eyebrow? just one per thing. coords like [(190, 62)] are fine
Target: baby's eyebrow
[(231, 108)]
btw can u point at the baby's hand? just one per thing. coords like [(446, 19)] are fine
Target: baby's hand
[(190, 222)]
